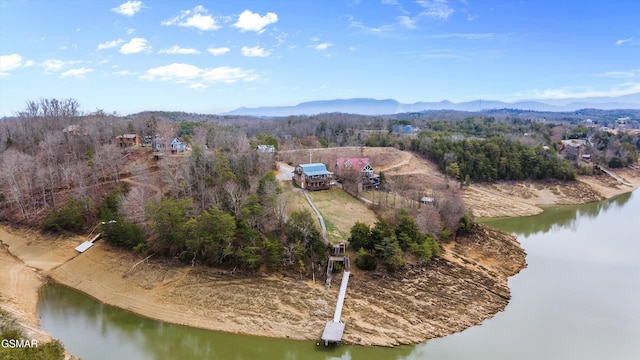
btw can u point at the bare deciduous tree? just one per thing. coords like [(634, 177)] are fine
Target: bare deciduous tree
[(17, 179)]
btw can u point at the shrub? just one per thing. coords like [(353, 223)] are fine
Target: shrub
[(445, 235), (69, 217), (123, 233), (465, 225), (366, 260)]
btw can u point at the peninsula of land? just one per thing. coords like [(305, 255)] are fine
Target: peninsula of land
[(465, 285)]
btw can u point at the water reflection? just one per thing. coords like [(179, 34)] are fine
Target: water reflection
[(93, 330), (557, 217), (578, 299)]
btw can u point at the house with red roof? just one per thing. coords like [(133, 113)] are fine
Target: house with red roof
[(368, 178)]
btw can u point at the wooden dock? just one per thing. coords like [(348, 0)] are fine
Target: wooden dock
[(615, 176), (87, 244), (334, 329)]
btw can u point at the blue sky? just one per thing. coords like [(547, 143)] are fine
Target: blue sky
[(214, 56)]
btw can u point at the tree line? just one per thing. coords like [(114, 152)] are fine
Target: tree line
[(491, 159)]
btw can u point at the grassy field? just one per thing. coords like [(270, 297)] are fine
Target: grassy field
[(389, 200), (340, 212)]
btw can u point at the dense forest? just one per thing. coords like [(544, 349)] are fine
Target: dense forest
[(220, 203), (494, 158)]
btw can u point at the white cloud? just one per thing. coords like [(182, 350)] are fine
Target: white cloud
[(175, 49), (407, 22), (435, 8), (198, 86), (383, 29), (129, 8), (79, 73), (218, 51), (627, 74), (9, 62), (109, 44), (622, 41), (255, 51), (201, 22), (198, 18), (136, 45), (249, 21), (198, 78), (323, 46), (226, 74), (124, 72), (51, 65), (130, 31)]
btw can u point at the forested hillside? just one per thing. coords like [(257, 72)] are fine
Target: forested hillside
[(214, 198)]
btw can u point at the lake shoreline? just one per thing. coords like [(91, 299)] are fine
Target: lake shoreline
[(31, 258), (280, 305), (523, 198)]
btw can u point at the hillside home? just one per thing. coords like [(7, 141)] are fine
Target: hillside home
[(158, 144), (403, 129), (313, 176), (266, 148), (368, 178), (126, 140), (177, 146)]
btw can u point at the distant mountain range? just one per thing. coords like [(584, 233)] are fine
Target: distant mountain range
[(366, 106)]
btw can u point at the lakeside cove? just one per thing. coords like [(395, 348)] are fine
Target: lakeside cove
[(385, 310), (382, 309)]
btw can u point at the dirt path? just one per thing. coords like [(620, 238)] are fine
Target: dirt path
[(406, 158), (320, 218)]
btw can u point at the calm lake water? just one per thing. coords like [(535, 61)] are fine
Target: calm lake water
[(579, 298)]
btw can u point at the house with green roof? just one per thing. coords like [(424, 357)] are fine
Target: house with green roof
[(314, 176)]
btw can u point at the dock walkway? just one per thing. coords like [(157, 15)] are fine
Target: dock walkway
[(334, 329), (615, 176)]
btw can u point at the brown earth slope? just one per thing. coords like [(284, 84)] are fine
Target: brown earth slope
[(462, 288)]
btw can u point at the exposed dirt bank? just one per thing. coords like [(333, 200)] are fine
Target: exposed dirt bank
[(25, 257), (467, 285), (518, 198)]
